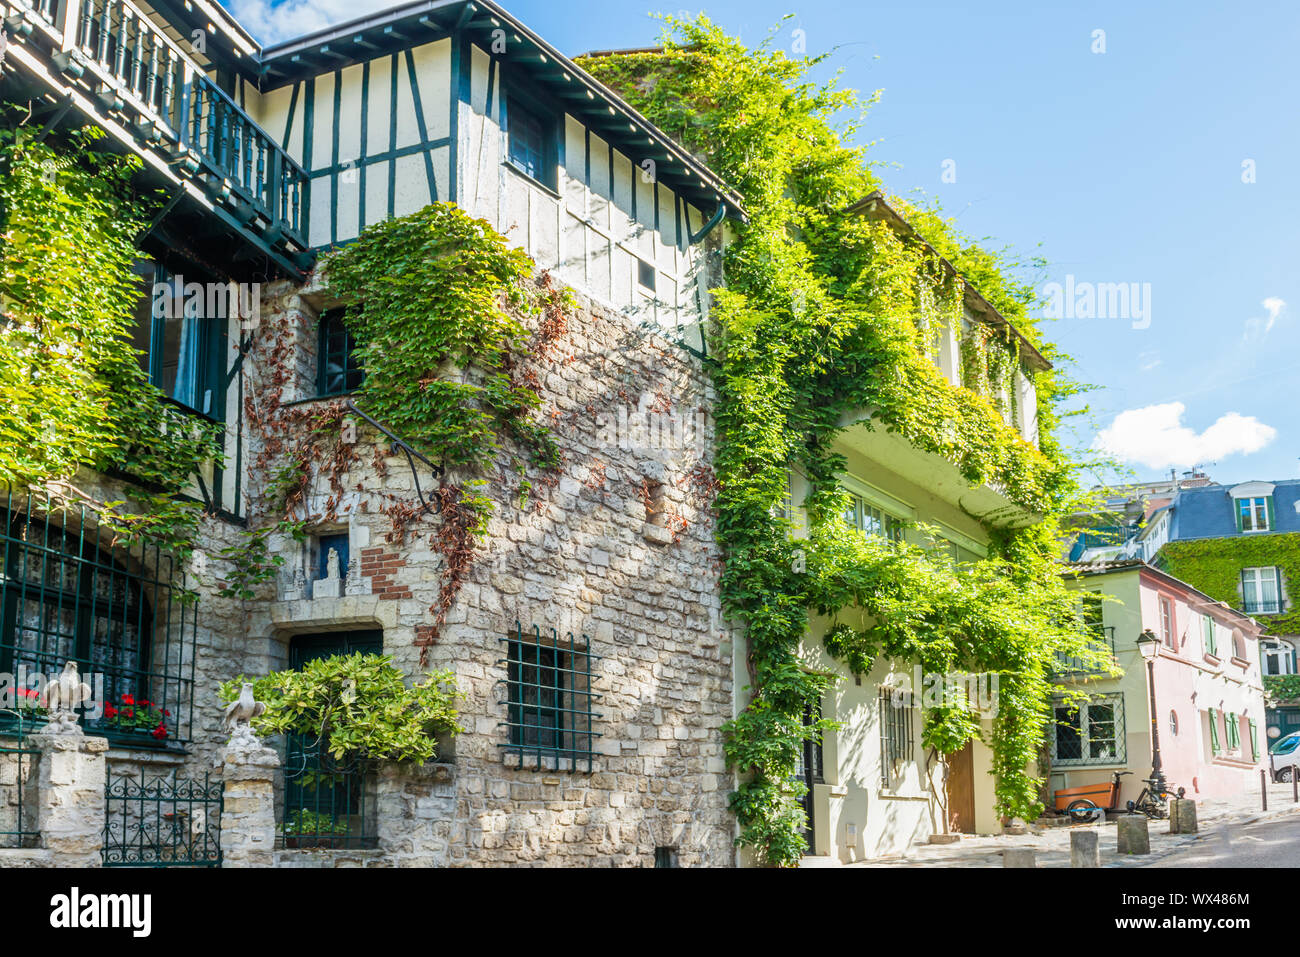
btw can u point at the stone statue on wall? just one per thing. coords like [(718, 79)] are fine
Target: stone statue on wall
[(239, 717), (63, 696)]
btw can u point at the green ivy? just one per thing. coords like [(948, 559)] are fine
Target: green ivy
[(358, 706), (827, 312), (434, 298), (1282, 688), (1213, 565), (75, 392)]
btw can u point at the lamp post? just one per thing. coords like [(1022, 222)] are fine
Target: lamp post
[(1149, 646)]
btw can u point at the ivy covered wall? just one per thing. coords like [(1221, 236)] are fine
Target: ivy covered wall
[(1214, 566)]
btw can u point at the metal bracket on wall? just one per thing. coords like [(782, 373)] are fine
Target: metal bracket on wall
[(434, 506)]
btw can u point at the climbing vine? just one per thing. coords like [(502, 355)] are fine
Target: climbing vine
[(1214, 566), (827, 313), (75, 393)]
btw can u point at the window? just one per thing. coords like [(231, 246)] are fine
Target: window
[(1261, 591), (1215, 746), (895, 736), (179, 334), (1092, 733), (872, 521), (549, 700), (1090, 611), (327, 803), (645, 274), (1211, 646), (1276, 657), (531, 142), (1173, 723), (1232, 724), (339, 370), (67, 594), (666, 857), (1254, 514), (1167, 634)]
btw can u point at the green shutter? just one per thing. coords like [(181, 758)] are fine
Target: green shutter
[(1254, 741), (1277, 583), (1207, 629), (1268, 504), (1236, 511), (1233, 726), (1214, 732)]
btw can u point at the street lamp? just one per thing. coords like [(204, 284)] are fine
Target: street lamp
[(1149, 646)]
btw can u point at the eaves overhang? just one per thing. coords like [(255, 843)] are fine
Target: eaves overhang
[(597, 106), (874, 205)]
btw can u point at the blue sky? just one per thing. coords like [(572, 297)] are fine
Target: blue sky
[(1123, 166)]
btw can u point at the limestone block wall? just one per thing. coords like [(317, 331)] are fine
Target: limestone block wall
[(617, 545)]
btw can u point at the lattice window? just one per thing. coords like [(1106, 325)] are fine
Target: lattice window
[(1092, 733), (339, 370)]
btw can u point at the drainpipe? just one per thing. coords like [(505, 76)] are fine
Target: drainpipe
[(708, 227)]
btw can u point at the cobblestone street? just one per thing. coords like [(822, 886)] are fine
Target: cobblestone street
[(1052, 843)]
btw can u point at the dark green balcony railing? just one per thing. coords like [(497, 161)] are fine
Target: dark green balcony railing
[(164, 822), (1068, 665), (69, 593), (143, 78)]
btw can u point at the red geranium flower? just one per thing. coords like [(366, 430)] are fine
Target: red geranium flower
[(128, 699), (110, 711), (146, 704), (128, 713)]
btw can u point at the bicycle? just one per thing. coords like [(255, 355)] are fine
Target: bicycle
[(1154, 799)]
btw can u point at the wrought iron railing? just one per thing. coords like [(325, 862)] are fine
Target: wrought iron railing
[(18, 768), (1104, 640), (549, 717), (167, 822), (1261, 607), (327, 803), (70, 592), (137, 72)]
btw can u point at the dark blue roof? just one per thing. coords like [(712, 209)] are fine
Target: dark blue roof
[(1207, 512)]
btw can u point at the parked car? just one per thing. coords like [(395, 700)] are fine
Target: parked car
[(1284, 756)]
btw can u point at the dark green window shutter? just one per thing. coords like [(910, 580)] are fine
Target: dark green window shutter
[(1214, 732), (1236, 511), (1277, 583), (1272, 522), (1254, 741), (1233, 727)]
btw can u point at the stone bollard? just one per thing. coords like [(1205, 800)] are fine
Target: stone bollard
[(248, 806), (1133, 837), (1085, 848), (1182, 816), (1019, 857), (70, 809)]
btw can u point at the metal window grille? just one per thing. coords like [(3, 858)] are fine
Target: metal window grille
[(895, 735), (165, 822), (340, 372), (327, 802), (1092, 733), (549, 698), (18, 767), (68, 593)]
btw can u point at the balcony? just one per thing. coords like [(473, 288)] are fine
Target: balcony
[(1068, 666), (1262, 607), (118, 68)]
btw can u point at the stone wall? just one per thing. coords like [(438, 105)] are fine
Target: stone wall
[(618, 545)]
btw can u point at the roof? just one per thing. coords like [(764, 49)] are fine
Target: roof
[(1207, 511), (599, 107), (1112, 566), (875, 204)]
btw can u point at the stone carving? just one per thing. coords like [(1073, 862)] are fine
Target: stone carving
[(63, 696), (238, 720), (332, 565), (331, 586)]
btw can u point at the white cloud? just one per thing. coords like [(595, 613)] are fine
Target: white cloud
[(272, 22), (1154, 436), (1149, 360), (1259, 327)]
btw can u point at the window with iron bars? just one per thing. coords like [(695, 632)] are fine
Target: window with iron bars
[(339, 372), (549, 700), (896, 743), (67, 594)]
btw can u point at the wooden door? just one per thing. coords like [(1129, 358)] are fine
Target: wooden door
[(961, 790)]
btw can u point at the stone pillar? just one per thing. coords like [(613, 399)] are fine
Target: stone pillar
[(248, 806), (1182, 816), (70, 807), (1085, 848), (1133, 836), (1019, 857)]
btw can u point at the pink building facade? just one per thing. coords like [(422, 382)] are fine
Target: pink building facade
[(1209, 699)]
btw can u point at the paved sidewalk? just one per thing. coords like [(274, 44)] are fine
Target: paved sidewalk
[(1052, 844)]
